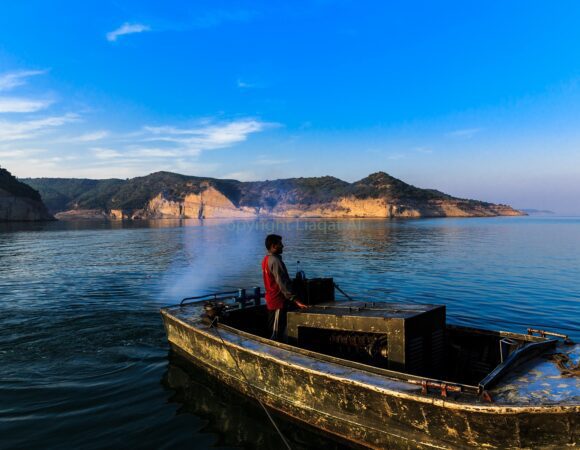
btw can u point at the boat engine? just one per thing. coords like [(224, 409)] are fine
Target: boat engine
[(402, 337), (212, 311), (358, 345)]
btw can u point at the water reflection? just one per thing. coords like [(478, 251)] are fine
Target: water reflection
[(234, 419), (81, 299)]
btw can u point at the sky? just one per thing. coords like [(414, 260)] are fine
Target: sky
[(477, 99)]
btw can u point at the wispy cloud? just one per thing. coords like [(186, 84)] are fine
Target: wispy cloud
[(245, 85), (26, 129), (64, 150), (89, 137), (464, 133), (126, 28), (10, 80), (20, 152), (208, 136), (22, 105), (105, 153), (242, 175)]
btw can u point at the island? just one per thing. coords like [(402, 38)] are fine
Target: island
[(170, 195)]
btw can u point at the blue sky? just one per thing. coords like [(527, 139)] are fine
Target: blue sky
[(477, 99)]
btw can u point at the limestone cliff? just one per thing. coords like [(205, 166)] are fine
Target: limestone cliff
[(167, 195), (19, 202), (208, 203)]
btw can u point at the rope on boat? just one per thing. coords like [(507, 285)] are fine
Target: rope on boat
[(343, 293), (212, 325), (566, 365)]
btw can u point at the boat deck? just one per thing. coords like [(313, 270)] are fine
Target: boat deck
[(191, 315), (541, 382), (538, 382)]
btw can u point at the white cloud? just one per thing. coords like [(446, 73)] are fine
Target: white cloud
[(90, 137), (240, 176), (127, 28), (22, 105), (105, 153), (10, 80), (245, 85), (20, 152), (102, 154), (12, 130), (207, 136), (464, 133)]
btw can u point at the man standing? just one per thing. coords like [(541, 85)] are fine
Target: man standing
[(278, 287)]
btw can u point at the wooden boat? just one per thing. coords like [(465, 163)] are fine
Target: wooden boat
[(384, 375)]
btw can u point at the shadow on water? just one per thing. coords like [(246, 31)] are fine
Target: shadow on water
[(234, 419)]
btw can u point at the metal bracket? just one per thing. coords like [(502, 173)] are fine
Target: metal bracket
[(544, 333), (486, 397), (444, 388), (239, 296)]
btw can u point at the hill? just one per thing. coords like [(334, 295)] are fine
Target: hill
[(18, 201), (171, 195), (537, 212)]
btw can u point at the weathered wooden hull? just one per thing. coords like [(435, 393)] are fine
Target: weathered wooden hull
[(362, 407)]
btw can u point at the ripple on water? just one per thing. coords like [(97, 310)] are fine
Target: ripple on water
[(83, 354)]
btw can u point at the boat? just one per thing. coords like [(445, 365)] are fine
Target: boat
[(381, 375), (232, 419)]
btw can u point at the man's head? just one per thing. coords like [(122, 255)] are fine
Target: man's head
[(274, 244)]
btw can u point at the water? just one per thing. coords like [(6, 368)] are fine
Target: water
[(83, 357)]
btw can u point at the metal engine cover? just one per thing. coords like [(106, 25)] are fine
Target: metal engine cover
[(402, 337)]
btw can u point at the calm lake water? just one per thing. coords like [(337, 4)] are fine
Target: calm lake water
[(84, 361)]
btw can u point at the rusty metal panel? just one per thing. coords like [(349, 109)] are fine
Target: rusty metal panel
[(414, 333)]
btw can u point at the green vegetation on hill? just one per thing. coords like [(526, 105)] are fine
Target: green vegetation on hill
[(293, 191), (61, 194), (10, 184), (381, 184)]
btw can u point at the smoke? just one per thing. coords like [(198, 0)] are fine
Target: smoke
[(215, 255)]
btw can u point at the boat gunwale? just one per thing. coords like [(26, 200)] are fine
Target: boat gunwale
[(488, 381), (192, 358), (488, 408)]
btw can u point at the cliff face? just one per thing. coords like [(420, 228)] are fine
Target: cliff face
[(209, 203), (166, 195), (19, 202)]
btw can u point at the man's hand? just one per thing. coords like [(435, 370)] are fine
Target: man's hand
[(300, 304)]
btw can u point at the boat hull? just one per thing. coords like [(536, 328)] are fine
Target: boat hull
[(362, 407)]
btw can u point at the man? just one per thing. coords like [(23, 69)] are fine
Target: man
[(278, 287)]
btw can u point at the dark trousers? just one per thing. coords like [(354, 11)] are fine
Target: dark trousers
[(277, 323)]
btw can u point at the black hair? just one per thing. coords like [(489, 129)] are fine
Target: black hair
[(272, 239)]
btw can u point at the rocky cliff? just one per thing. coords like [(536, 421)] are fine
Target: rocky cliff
[(19, 202), (169, 195)]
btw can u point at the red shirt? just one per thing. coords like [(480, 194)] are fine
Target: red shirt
[(276, 281)]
